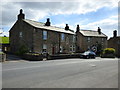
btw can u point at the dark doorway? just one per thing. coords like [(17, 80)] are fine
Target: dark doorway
[(53, 50)]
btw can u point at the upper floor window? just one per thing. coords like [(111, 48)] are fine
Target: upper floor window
[(44, 35), (102, 39), (88, 39), (62, 37), (67, 40), (20, 34), (74, 38)]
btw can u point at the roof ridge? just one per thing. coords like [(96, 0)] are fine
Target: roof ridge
[(42, 25), (35, 21), (88, 30), (49, 26)]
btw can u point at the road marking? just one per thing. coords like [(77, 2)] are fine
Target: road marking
[(92, 65)]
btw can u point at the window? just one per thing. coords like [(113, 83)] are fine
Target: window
[(62, 37), (61, 49), (20, 34), (72, 48), (67, 40), (74, 38), (88, 47), (102, 39), (44, 35), (88, 39), (44, 47)]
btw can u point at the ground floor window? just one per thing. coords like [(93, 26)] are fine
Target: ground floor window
[(72, 48), (44, 48), (61, 49)]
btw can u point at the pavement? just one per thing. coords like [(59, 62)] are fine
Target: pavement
[(62, 73), (11, 57)]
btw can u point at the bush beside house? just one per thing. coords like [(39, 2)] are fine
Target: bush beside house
[(108, 53)]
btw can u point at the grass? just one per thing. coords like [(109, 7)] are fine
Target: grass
[(4, 40), (1, 53)]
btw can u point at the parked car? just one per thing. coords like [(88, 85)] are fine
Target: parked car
[(88, 54)]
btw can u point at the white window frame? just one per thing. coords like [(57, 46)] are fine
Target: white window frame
[(44, 35), (67, 40), (72, 48), (74, 38), (88, 39), (62, 37), (102, 39), (20, 34), (44, 47), (61, 49)]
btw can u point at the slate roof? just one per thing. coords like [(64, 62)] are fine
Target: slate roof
[(51, 28), (92, 33), (118, 37)]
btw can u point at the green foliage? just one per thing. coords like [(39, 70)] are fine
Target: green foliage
[(1, 53), (34, 54), (22, 50), (109, 51), (4, 40)]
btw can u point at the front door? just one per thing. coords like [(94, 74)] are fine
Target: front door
[(53, 50)]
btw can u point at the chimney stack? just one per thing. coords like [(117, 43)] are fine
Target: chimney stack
[(115, 33), (78, 28), (66, 27), (99, 30), (21, 15), (48, 22)]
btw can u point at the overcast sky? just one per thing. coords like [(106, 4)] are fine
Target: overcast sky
[(89, 14)]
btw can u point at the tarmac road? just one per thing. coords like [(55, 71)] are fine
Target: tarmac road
[(65, 73)]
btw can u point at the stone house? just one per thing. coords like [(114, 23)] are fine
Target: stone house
[(90, 40), (40, 37), (114, 42)]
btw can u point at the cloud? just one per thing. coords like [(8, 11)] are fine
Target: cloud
[(1, 30), (62, 25), (5, 33), (39, 10), (107, 25)]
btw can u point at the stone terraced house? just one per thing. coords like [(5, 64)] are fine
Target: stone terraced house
[(41, 37), (90, 39), (114, 42)]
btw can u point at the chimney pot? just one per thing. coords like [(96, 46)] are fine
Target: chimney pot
[(21, 15), (48, 22), (99, 30), (115, 33), (66, 27), (78, 28)]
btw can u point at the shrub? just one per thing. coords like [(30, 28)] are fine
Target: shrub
[(33, 54), (22, 50), (109, 51)]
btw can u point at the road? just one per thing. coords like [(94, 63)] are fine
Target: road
[(68, 73)]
